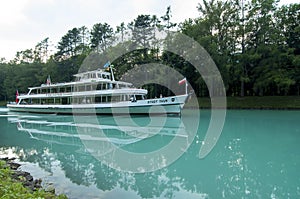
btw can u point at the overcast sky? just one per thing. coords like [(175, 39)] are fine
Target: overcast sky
[(24, 23)]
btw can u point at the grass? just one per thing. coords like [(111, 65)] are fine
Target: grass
[(10, 188), (3, 103), (254, 102)]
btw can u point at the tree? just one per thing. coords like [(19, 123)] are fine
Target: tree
[(288, 20), (167, 25), (101, 37), (41, 51), (69, 45), (83, 47), (167, 20), (141, 29), (25, 56), (218, 21), (121, 29)]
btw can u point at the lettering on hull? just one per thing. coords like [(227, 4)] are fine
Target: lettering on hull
[(155, 101)]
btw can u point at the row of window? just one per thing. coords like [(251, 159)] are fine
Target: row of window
[(84, 99), (93, 76), (77, 88)]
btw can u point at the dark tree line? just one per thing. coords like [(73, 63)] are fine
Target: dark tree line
[(255, 44)]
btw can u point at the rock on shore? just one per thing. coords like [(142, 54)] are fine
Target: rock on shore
[(22, 176)]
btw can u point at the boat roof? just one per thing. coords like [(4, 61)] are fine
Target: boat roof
[(84, 81), (93, 71)]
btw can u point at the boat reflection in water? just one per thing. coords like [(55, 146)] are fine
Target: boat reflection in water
[(105, 134), (257, 155), (71, 148)]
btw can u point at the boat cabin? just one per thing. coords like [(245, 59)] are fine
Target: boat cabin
[(97, 74), (88, 88)]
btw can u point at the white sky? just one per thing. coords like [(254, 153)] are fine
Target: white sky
[(24, 23)]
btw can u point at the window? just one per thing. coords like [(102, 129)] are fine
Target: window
[(81, 88), (132, 98), (98, 99), (138, 97), (93, 86), (54, 90), (68, 89), (75, 100), (35, 101), (115, 98), (108, 98), (88, 87), (64, 100), (57, 100), (50, 101)]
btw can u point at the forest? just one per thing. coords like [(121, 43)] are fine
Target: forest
[(254, 43)]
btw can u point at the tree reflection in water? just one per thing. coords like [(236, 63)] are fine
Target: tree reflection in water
[(53, 144)]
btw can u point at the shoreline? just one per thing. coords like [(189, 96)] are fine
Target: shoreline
[(262, 109), (250, 103), (243, 103), (24, 181)]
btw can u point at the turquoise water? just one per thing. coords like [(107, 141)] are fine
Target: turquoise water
[(256, 156)]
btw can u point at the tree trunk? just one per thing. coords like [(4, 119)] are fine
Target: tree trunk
[(242, 88)]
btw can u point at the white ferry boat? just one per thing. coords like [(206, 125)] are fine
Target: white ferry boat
[(95, 92)]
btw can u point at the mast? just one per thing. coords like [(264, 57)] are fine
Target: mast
[(112, 73), (111, 69), (186, 87)]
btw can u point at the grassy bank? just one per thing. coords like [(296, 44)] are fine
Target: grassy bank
[(254, 102), (12, 188)]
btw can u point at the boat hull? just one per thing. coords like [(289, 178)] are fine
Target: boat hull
[(167, 105)]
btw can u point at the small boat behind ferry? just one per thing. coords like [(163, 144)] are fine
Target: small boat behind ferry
[(95, 92)]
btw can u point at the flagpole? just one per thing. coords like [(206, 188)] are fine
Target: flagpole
[(186, 86), (17, 94), (112, 73)]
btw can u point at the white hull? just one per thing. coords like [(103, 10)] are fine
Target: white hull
[(166, 105)]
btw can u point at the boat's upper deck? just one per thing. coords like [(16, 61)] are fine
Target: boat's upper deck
[(94, 77), (96, 74)]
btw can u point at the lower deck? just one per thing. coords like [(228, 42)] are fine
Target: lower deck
[(167, 105)]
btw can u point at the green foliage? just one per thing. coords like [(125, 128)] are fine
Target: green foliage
[(254, 43), (101, 36), (72, 44), (10, 188), (141, 29)]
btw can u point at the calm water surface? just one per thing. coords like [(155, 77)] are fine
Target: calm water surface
[(256, 156)]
